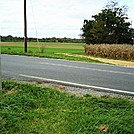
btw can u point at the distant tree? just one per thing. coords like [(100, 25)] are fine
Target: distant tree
[(10, 38), (108, 26)]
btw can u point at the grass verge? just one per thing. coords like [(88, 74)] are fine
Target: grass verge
[(27, 108)]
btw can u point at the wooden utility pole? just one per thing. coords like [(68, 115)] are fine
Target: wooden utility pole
[(25, 27)]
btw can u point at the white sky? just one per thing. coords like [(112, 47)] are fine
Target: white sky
[(51, 18)]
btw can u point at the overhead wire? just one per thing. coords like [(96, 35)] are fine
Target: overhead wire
[(38, 43)]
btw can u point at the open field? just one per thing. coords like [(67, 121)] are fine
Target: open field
[(74, 51), (46, 44), (48, 50), (27, 108)]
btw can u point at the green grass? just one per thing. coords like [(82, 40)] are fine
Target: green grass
[(30, 109), (50, 50)]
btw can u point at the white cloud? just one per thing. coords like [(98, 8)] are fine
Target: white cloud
[(59, 18)]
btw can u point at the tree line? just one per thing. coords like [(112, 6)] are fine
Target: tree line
[(10, 38), (110, 26)]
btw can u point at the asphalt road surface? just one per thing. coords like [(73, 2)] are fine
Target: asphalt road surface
[(90, 75)]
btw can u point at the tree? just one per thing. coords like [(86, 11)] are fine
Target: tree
[(109, 26)]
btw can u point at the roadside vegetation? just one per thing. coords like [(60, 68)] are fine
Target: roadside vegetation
[(27, 108)]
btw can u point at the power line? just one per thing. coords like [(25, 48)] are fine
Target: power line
[(34, 23), (34, 19)]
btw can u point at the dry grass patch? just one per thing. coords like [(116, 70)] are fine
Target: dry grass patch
[(13, 91)]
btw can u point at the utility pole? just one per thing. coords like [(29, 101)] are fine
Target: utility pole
[(0, 66), (25, 27)]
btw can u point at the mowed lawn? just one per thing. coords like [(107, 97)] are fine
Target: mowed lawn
[(47, 50)]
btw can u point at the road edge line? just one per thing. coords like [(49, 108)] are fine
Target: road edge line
[(78, 85)]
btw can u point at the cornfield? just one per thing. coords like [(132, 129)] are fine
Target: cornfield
[(114, 51)]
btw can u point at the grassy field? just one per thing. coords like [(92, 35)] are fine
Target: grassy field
[(31, 109), (46, 49)]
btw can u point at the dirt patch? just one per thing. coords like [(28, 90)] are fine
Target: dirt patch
[(104, 128), (110, 61)]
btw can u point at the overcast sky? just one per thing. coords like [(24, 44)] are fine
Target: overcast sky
[(51, 18)]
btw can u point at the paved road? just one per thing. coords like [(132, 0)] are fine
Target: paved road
[(103, 77)]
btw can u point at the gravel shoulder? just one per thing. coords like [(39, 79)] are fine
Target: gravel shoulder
[(80, 92)]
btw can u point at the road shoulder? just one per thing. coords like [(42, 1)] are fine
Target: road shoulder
[(110, 61)]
